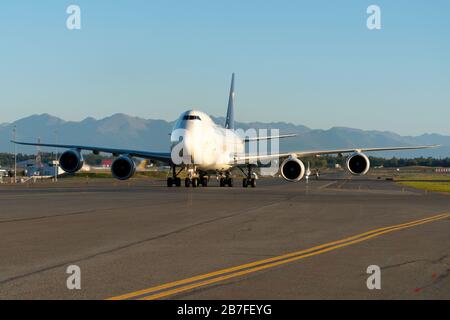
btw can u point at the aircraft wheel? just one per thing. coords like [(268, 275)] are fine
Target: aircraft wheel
[(169, 182), (244, 183), (230, 182), (253, 182), (222, 182), (204, 181), (194, 182), (178, 182), (187, 182)]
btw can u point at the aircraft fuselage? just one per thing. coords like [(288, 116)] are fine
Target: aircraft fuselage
[(204, 144)]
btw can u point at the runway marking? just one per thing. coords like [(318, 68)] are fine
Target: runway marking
[(187, 284), (327, 185)]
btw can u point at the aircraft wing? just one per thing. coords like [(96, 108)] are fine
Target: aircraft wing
[(302, 154), (281, 136), (158, 156)]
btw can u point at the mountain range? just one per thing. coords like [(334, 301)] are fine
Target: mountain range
[(124, 131)]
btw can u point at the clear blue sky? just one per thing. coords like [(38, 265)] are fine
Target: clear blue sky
[(307, 62)]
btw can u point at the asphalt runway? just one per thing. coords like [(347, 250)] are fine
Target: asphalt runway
[(142, 240)]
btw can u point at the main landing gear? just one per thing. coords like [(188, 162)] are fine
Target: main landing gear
[(196, 179), (174, 180)]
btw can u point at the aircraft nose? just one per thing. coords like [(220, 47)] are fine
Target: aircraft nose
[(183, 141)]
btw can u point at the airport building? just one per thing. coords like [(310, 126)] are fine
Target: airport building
[(33, 168)]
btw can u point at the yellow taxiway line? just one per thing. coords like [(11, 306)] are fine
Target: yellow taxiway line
[(187, 284)]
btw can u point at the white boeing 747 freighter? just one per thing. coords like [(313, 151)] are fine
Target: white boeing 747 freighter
[(202, 148)]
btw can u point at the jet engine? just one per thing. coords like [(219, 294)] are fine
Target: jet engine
[(71, 161), (358, 163), (292, 169), (123, 168)]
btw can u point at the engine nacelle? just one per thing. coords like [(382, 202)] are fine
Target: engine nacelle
[(358, 163), (123, 168), (292, 169), (71, 161)]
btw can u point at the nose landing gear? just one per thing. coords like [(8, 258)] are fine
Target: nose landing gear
[(173, 181), (195, 182), (249, 180), (225, 180), (196, 179), (204, 181)]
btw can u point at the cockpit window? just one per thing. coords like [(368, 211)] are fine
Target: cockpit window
[(187, 117)]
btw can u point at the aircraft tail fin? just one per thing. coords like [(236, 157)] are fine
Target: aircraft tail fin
[(229, 122)]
